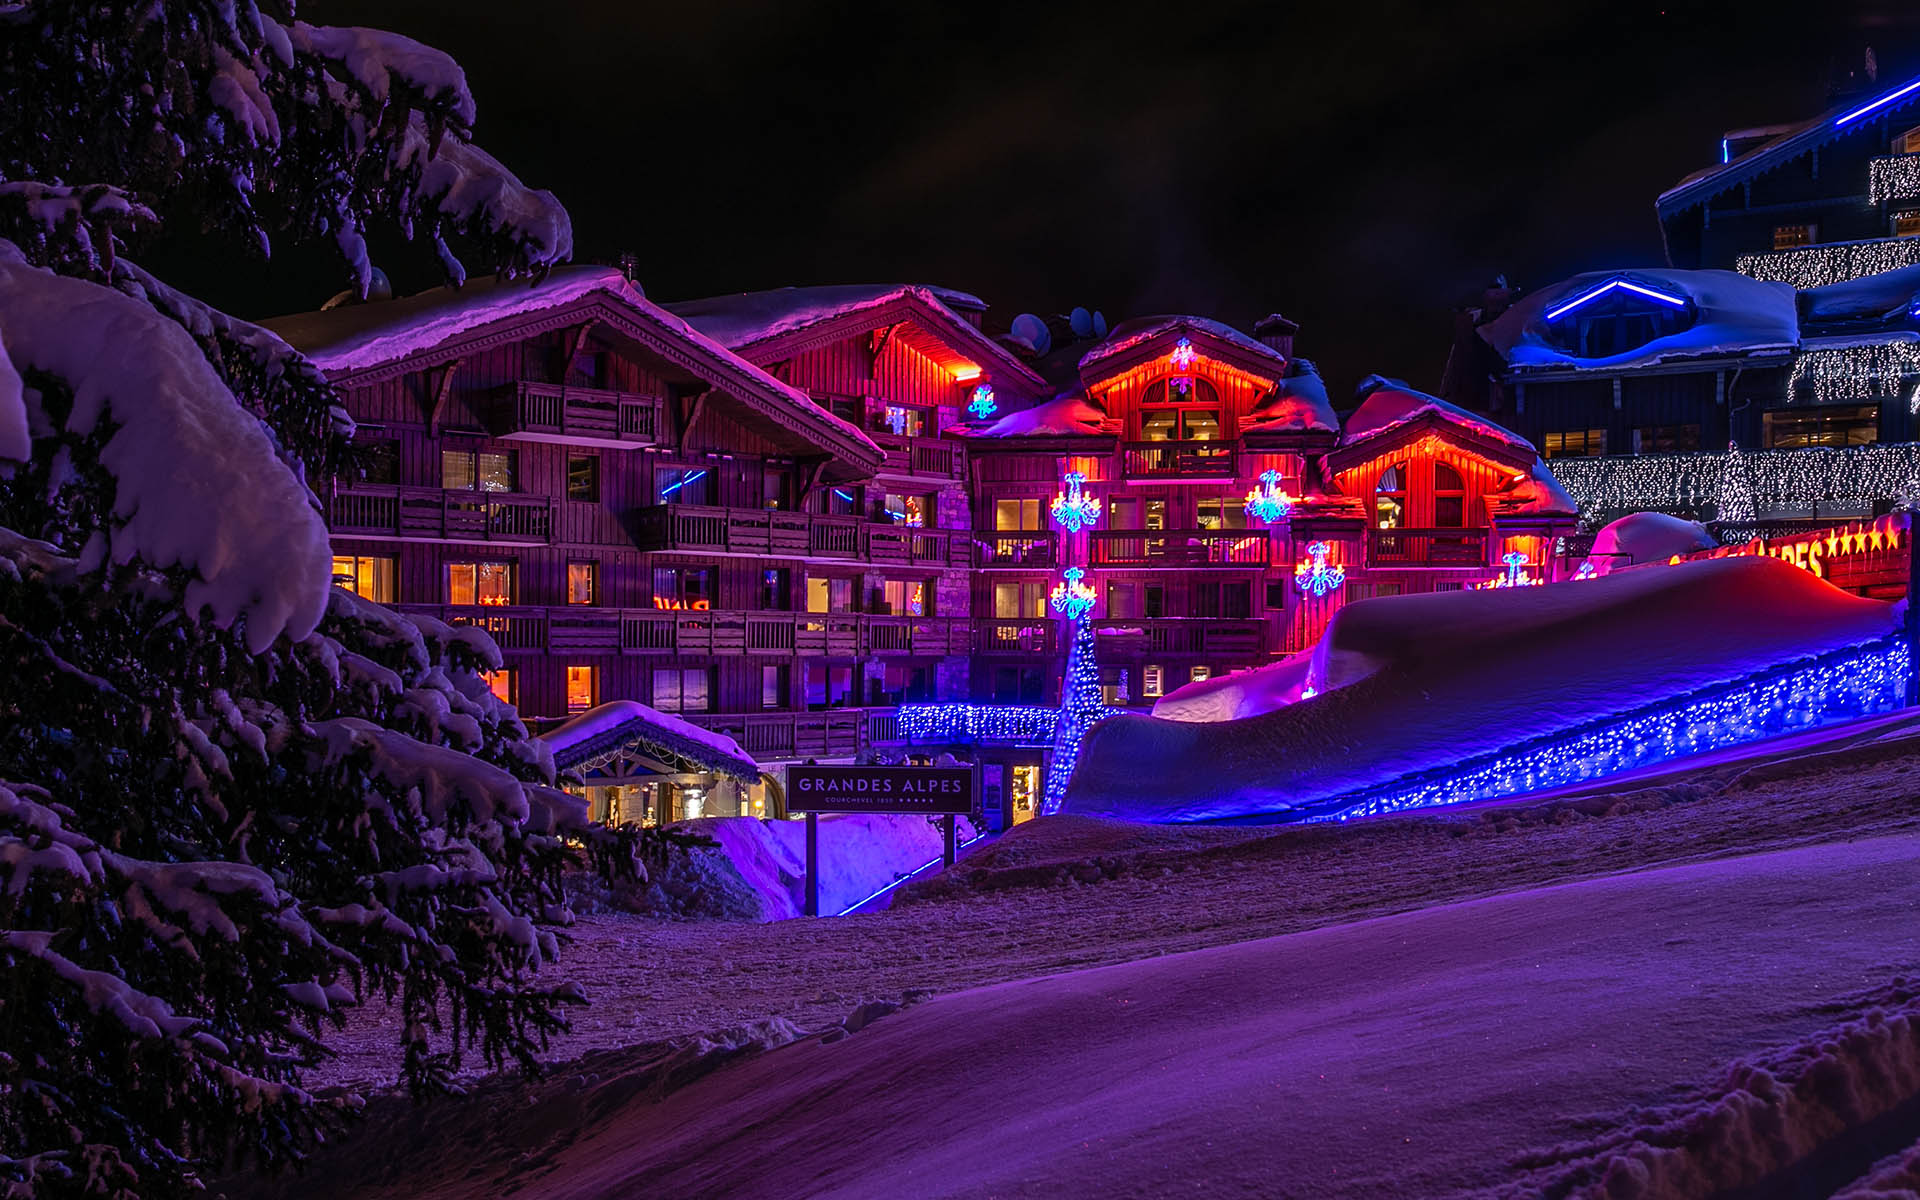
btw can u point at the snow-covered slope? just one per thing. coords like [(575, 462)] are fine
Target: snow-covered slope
[(1411, 683), (1421, 1054)]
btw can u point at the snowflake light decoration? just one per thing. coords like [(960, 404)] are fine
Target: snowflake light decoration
[(1071, 598), (1516, 575), (1317, 576), (1269, 501), (982, 405), (1183, 355), (1073, 507)]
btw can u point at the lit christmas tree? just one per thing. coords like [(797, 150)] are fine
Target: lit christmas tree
[(1081, 704), (1736, 490)]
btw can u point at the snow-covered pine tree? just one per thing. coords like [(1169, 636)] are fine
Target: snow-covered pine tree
[(233, 800)]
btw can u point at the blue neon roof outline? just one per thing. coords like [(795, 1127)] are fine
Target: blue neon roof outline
[(1594, 293), (1887, 99)]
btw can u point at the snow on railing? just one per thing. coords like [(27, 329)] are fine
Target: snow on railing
[(1852, 682)]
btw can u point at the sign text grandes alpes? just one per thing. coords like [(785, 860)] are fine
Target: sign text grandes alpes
[(934, 790)]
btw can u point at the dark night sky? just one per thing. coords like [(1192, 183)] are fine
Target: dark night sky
[(1361, 167)]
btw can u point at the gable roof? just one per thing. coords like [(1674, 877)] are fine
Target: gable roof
[(1134, 342), (778, 323), (620, 727), (1842, 120), (361, 343), (1392, 407), (1733, 315)]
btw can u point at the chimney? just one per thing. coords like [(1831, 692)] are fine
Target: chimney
[(1276, 331)]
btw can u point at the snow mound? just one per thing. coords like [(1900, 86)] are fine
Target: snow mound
[(1733, 315), (1888, 294), (1649, 537), (1297, 404), (1239, 693), (1066, 415), (1414, 683), (197, 481)]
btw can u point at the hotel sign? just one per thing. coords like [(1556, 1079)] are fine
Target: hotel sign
[(1864, 545), (933, 791)]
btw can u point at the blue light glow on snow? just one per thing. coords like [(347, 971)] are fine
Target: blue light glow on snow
[(1594, 293), (1875, 105), (1843, 685)]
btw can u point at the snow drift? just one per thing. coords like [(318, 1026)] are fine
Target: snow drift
[(1648, 537), (1409, 684)]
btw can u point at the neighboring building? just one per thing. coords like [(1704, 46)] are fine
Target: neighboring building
[(1636, 383), (820, 523), (1818, 201)]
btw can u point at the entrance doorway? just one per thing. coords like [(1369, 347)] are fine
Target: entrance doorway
[(1024, 792)]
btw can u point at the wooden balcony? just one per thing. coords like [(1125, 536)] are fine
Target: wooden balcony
[(920, 456), (834, 733), (702, 633), (440, 514), (1456, 549), (916, 547), (921, 636), (512, 627), (1179, 548), (1031, 635), (1180, 460), (725, 530), (1238, 638), (554, 412), (1015, 548)]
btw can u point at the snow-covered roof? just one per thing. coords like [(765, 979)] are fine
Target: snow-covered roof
[(1733, 315), (1790, 141), (1297, 404), (1538, 493), (1648, 537), (1066, 415), (743, 318), (619, 726), (1129, 336), (1392, 403), (1890, 294), (353, 338)]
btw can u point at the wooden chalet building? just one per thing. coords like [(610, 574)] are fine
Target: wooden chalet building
[(1808, 203)]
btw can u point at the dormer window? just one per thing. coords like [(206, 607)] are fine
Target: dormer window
[(1180, 409), (1616, 316)]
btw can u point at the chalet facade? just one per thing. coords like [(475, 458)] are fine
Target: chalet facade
[(1813, 202), (832, 523)]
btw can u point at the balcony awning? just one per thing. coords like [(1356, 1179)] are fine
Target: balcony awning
[(624, 728)]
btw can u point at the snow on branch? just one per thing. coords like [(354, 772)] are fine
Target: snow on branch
[(463, 188), (385, 66), (77, 228), (197, 483)]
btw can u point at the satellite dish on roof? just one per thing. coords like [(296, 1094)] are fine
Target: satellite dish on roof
[(1099, 323), (1030, 331), (1082, 322)]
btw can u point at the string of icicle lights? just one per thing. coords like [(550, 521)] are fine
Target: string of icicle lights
[(1869, 372), (1837, 262), (1739, 484), (1894, 178), (1855, 682)]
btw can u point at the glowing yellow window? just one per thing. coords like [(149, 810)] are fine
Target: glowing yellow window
[(583, 583), (367, 575), (583, 688)]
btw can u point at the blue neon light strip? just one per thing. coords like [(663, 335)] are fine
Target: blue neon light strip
[(677, 484), (1595, 293), (1842, 685), (844, 494), (908, 877), (1726, 152), (1882, 102)]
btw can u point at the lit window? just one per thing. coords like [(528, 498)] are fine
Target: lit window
[(583, 688), (683, 485), (1852, 425), (1150, 681), (583, 583), (502, 684), (829, 595), (912, 422), (1016, 514), (1787, 237), (683, 588), (1012, 601), (1221, 513), (1907, 224), (484, 470), (369, 576), (913, 511), (1200, 674), (489, 583), (1908, 142), (683, 689), (1575, 443), (1390, 497), (906, 598)]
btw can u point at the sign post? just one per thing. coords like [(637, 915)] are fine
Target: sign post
[(945, 792)]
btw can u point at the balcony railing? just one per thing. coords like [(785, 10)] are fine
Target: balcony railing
[(920, 455), (1427, 548), (730, 530), (1179, 548), (562, 413), (1016, 548), (511, 627), (582, 629), (1181, 635), (1180, 460), (440, 514), (834, 733), (1031, 635)]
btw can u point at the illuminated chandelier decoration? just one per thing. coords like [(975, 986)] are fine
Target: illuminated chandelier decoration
[(982, 405), (1073, 508), (1317, 576), (1269, 501), (1516, 575), (1071, 598), (1182, 360)]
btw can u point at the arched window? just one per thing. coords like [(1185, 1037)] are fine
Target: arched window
[(1390, 498), (1449, 498), (1181, 408)]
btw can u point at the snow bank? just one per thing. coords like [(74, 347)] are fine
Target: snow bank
[(859, 854), (1734, 315), (1238, 694), (1649, 537), (1415, 683), (197, 481)]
